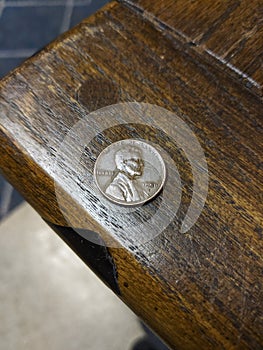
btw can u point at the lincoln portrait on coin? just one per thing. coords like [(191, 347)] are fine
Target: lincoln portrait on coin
[(125, 185)]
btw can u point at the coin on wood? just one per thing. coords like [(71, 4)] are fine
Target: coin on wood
[(130, 172)]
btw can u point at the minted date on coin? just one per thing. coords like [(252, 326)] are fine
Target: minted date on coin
[(130, 172)]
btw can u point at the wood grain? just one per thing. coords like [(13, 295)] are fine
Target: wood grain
[(200, 290), (229, 32)]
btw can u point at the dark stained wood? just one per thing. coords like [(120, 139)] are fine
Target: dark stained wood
[(230, 31), (91, 91), (203, 289)]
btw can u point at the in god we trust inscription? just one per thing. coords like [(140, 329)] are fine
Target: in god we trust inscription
[(130, 172)]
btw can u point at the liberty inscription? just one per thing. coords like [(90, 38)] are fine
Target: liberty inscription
[(129, 172)]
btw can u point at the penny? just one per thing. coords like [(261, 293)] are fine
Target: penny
[(130, 172)]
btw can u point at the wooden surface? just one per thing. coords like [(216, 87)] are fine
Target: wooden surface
[(226, 32), (201, 59)]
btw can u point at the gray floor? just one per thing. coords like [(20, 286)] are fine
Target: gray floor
[(49, 299)]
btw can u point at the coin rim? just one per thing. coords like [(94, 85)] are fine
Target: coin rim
[(138, 203)]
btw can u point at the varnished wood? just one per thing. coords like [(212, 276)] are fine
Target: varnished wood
[(228, 32), (203, 289)]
